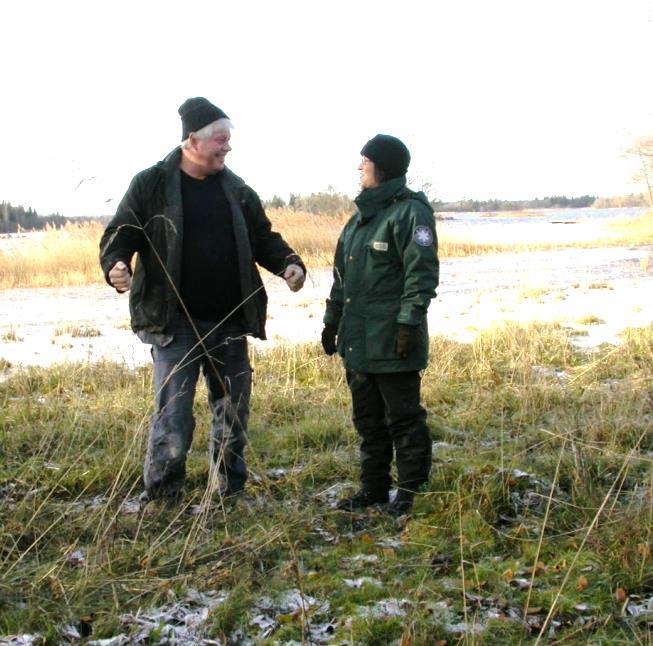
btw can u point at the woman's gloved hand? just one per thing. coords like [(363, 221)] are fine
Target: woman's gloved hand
[(406, 340), (329, 339)]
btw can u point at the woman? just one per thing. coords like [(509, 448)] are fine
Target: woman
[(385, 275)]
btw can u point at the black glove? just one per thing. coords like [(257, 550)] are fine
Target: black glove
[(406, 340), (329, 339)]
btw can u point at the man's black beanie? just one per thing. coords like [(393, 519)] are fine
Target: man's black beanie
[(197, 113), (389, 155)]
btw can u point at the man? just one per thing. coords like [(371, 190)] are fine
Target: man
[(385, 275), (195, 293)]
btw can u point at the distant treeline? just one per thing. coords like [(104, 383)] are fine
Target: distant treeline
[(14, 218), (553, 202), (18, 218), (620, 201), (329, 202)]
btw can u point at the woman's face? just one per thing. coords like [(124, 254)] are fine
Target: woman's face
[(367, 174)]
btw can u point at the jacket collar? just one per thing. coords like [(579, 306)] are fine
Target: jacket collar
[(372, 200)]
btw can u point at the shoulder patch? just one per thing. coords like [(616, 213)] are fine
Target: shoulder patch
[(423, 236)]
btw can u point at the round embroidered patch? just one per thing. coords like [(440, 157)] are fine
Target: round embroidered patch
[(423, 236)]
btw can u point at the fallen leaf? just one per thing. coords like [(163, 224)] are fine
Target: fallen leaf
[(406, 638), (388, 552), (534, 611), (582, 583), (619, 595), (367, 539), (538, 568), (508, 575)]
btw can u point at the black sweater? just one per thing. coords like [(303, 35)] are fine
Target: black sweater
[(210, 283)]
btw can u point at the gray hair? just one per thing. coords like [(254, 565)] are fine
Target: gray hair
[(209, 130)]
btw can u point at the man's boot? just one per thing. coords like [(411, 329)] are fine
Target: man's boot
[(166, 499)]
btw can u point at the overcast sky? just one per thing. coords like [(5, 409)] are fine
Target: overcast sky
[(495, 99)]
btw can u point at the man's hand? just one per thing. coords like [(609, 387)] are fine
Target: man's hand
[(120, 277), (294, 277), (329, 339), (406, 341)]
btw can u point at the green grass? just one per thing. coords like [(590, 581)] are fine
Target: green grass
[(537, 479)]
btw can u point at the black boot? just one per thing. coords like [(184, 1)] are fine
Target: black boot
[(402, 504), (364, 498)]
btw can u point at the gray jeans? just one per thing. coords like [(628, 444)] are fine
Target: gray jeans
[(228, 375)]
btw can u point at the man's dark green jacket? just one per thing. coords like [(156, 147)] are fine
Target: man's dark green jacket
[(385, 274), (149, 222)]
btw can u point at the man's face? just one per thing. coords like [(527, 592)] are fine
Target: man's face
[(368, 174), (210, 153)]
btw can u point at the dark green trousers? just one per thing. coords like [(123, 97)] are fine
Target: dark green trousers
[(390, 419)]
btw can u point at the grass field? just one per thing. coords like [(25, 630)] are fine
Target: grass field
[(536, 526), (69, 256)]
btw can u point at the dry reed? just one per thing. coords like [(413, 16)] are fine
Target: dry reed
[(69, 256)]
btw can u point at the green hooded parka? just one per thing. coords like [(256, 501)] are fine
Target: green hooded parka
[(385, 274)]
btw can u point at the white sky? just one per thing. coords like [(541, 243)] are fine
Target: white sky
[(501, 98)]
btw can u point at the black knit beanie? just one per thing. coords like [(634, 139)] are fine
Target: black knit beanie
[(389, 155), (197, 113)]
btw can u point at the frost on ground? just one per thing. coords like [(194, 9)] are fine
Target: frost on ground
[(188, 621)]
